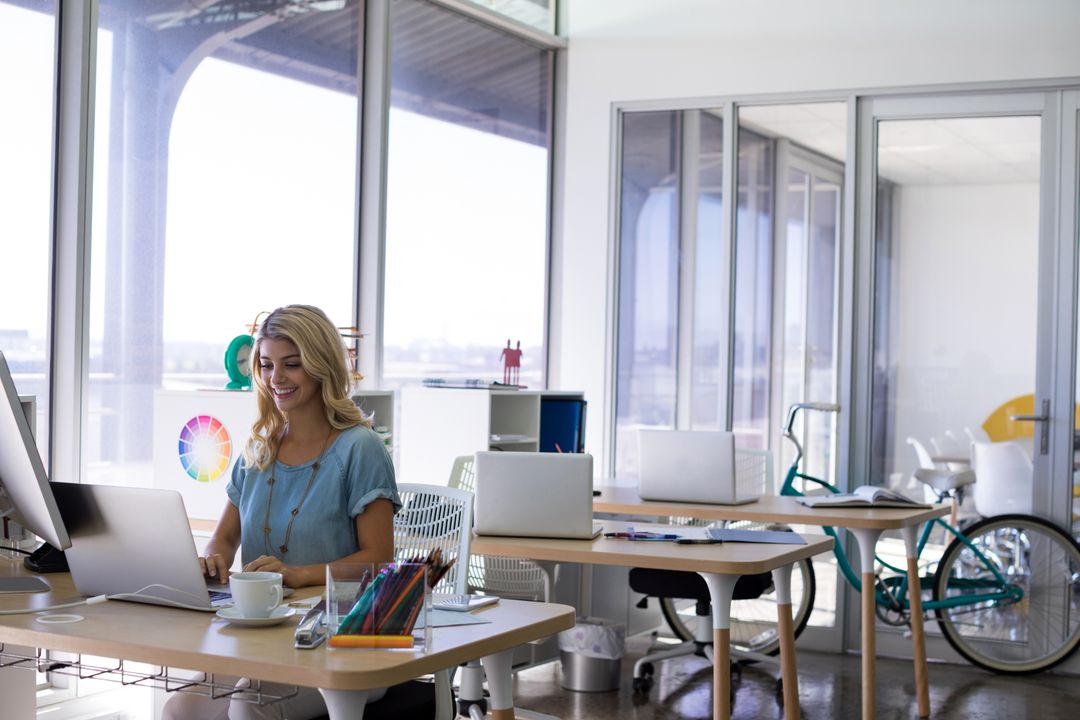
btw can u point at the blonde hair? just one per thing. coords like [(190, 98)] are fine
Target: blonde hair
[(323, 356)]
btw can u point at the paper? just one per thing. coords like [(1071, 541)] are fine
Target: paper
[(779, 537)]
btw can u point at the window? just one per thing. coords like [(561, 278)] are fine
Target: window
[(27, 69), (467, 199), (224, 185), (648, 280)]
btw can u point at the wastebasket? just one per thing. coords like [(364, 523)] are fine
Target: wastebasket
[(591, 654)]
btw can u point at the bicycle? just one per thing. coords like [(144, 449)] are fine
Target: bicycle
[(1005, 592)]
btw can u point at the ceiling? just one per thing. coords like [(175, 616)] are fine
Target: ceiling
[(940, 151)]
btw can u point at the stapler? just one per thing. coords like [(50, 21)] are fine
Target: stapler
[(312, 630)]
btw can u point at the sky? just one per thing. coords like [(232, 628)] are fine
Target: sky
[(261, 201)]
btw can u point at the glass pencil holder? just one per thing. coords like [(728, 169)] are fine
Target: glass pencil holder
[(378, 606)]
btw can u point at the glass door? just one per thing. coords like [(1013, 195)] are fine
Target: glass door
[(958, 299)]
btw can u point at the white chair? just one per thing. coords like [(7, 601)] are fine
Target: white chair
[(923, 455), (1005, 480), (433, 516), (505, 577)]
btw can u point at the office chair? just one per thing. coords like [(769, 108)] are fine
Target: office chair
[(506, 577), (431, 517), (1004, 473), (753, 475)]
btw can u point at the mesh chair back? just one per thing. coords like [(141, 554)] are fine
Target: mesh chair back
[(433, 516)]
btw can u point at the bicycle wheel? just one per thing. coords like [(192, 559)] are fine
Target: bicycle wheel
[(1035, 628), (753, 622)]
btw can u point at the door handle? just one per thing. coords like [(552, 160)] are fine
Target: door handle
[(1044, 438)]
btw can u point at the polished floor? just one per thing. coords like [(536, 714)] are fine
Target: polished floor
[(829, 688)]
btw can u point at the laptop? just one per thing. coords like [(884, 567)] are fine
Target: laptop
[(688, 466), (134, 544), (534, 494)]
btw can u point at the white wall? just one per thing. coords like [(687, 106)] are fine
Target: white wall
[(639, 50), (964, 324)]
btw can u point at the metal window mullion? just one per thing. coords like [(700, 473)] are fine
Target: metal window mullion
[(727, 274), (373, 131), (781, 170), (76, 43), (1052, 487), (688, 188)]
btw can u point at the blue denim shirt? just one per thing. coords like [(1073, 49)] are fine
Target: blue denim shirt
[(354, 470)]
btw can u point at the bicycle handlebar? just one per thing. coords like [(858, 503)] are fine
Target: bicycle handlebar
[(792, 412)]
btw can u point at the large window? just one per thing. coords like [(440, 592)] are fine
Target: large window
[(467, 199), (224, 185), (27, 66)]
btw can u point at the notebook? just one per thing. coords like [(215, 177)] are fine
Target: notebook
[(534, 494), (134, 543), (688, 466)]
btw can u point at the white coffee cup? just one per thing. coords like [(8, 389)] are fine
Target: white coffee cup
[(256, 594)]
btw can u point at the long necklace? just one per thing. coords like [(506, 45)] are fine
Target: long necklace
[(284, 547)]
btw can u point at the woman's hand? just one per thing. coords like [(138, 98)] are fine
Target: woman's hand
[(215, 566), (290, 576)]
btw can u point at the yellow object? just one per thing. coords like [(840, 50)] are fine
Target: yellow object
[(999, 427), (372, 641)]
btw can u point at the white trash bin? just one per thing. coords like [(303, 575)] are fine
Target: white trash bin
[(591, 654)]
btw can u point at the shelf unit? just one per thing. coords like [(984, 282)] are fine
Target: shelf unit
[(439, 424)]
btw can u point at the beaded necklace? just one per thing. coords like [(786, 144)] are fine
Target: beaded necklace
[(284, 547)]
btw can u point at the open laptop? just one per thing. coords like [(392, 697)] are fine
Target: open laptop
[(688, 466), (134, 543), (534, 494)]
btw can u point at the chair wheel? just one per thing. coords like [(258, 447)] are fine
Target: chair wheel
[(648, 670), (642, 685)]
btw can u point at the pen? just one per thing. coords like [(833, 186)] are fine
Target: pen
[(641, 536)]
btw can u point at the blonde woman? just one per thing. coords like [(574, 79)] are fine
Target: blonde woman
[(315, 484)]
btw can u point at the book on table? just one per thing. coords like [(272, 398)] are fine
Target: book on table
[(863, 496)]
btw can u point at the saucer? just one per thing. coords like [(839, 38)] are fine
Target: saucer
[(280, 613)]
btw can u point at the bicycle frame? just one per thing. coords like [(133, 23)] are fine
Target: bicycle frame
[(999, 588)]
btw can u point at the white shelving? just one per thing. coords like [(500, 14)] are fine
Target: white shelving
[(439, 424)]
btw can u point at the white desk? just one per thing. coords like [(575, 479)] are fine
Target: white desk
[(867, 526), (719, 565), (201, 641)]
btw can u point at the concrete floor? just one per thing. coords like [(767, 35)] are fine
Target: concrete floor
[(829, 688)]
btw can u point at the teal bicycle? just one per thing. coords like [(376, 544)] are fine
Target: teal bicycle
[(1005, 590)]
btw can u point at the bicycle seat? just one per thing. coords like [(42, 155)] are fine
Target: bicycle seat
[(945, 480)]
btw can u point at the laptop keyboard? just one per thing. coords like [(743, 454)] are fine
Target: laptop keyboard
[(219, 596)]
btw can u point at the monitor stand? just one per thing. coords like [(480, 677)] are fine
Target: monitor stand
[(46, 559)]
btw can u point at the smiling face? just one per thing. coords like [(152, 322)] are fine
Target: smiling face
[(284, 376)]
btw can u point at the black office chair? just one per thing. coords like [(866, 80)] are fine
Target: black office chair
[(678, 584)]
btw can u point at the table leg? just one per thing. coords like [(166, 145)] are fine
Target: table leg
[(721, 588), (918, 636), (786, 627), (867, 538), (344, 704), (500, 684)]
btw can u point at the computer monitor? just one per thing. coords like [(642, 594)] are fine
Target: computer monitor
[(27, 496)]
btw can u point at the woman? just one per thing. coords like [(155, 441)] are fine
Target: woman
[(315, 484)]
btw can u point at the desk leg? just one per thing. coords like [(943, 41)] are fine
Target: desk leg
[(344, 704), (867, 538), (721, 588), (918, 637), (786, 627), (500, 684)]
